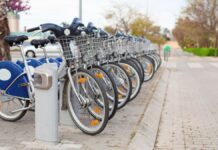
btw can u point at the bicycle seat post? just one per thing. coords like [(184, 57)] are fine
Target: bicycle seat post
[(22, 52), (45, 54)]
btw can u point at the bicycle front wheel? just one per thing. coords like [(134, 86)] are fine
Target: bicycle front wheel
[(122, 81), (134, 76), (87, 102), (148, 65), (109, 85)]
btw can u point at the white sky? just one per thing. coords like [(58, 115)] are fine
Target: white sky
[(162, 12)]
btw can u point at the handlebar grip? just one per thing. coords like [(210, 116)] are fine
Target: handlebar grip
[(33, 29)]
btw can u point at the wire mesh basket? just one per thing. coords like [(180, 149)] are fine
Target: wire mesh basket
[(92, 47), (77, 47)]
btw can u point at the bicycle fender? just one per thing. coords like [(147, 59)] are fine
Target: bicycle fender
[(8, 72)]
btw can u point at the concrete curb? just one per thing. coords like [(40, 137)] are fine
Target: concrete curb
[(147, 130)]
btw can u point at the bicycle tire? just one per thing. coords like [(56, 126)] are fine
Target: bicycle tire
[(115, 92)]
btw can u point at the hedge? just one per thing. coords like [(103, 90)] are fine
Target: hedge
[(202, 51)]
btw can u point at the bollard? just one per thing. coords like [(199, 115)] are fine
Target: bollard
[(46, 103)]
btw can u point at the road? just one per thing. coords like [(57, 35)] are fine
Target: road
[(190, 116)]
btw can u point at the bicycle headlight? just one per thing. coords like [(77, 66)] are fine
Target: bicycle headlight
[(67, 32)]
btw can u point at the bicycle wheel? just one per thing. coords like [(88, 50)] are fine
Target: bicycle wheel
[(155, 62), (134, 76), (157, 56), (109, 85), (148, 66), (122, 81), (87, 102), (9, 106), (139, 66)]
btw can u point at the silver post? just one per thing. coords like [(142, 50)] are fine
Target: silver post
[(80, 9), (147, 8)]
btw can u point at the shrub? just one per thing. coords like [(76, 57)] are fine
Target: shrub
[(202, 51)]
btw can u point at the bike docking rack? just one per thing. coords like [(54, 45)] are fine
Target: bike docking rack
[(46, 105)]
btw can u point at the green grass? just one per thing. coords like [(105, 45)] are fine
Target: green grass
[(202, 51)]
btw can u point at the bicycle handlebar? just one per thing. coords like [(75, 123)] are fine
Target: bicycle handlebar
[(33, 29)]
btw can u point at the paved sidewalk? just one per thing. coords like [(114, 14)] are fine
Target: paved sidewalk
[(117, 135), (190, 115)]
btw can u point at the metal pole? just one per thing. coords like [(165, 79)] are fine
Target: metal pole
[(147, 8), (80, 9)]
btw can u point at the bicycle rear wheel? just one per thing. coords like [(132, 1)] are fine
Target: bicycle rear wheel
[(9, 106)]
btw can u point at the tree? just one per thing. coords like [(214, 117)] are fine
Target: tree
[(4, 30), (14, 6), (143, 26), (120, 16), (110, 29), (17, 6), (200, 18), (128, 20), (190, 33)]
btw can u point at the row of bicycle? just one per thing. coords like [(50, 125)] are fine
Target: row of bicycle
[(98, 73)]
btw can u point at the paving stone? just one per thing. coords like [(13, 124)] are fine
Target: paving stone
[(190, 110)]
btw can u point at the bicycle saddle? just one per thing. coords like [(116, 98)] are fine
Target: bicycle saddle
[(119, 34), (103, 33), (90, 28), (15, 40), (76, 27), (39, 43), (130, 38), (140, 39)]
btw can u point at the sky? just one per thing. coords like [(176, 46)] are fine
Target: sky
[(162, 12)]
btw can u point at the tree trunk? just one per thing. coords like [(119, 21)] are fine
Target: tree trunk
[(4, 31)]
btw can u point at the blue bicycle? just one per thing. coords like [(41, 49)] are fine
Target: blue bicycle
[(16, 86)]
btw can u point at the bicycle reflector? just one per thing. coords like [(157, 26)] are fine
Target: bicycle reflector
[(94, 122), (82, 80), (99, 75)]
